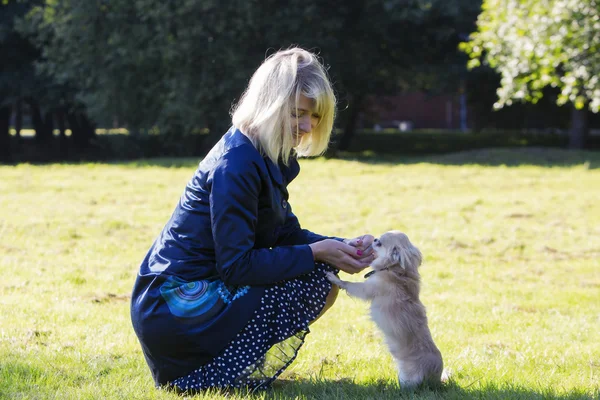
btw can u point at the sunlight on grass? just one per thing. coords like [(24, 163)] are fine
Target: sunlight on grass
[(511, 277)]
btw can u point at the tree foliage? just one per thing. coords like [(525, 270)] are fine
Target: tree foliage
[(384, 47), (17, 74), (18, 78), (534, 44), (179, 65)]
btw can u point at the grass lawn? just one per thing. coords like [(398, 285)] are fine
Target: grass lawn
[(511, 277)]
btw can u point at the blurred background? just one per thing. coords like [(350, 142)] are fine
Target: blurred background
[(122, 79)]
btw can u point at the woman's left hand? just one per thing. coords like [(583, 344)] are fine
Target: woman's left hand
[(363, 243)]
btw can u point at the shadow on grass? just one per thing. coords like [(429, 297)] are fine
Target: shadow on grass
[(381, 390), (493, 157), (510, 148), (509, 157), (18, 380), (345, 389)]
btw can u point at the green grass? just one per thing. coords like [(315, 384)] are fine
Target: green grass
[(511, 277)]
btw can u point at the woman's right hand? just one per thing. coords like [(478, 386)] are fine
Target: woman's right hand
[(340, 255)]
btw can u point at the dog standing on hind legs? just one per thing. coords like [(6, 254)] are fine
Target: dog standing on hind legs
[(393, 290)]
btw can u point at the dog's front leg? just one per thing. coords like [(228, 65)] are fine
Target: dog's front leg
[(333, 278), (361, 290)]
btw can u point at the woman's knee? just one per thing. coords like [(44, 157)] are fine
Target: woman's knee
[(329, 300), (332, 296)]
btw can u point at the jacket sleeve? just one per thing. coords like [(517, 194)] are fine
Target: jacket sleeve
[(292, 233), (234, 194)]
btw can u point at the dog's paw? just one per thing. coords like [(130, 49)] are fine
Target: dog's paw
[(446, 376), (332, 278)]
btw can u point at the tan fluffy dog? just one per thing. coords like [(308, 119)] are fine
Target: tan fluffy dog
[(393, 289)]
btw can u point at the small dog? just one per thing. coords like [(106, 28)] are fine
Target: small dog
[(393, 289)]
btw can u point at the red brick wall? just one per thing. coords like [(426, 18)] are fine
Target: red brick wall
[(423, 110)]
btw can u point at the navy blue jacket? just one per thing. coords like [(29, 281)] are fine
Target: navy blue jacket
[(233, 222)]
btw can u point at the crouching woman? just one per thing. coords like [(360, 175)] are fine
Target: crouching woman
[(225, 295)]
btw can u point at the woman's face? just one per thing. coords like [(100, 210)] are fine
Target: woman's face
[(305, 120)]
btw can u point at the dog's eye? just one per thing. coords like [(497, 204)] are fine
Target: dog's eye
[(378, 244)]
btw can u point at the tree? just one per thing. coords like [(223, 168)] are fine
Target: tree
[(22, 84), (535, 44), (99, 57), (175, 65), (16, 69), (380, 48), (180, 65)]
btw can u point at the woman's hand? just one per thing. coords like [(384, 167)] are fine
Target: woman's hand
[(341, 255), (363, 244)]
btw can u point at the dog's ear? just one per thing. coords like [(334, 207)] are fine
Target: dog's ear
[(398, 256), (407, 257), (414, 258)]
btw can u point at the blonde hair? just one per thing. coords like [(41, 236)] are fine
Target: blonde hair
[(264, 112)]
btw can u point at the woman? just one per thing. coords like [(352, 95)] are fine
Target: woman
[(225, 294)]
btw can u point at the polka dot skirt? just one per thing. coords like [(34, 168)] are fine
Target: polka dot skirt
[(270, 341)]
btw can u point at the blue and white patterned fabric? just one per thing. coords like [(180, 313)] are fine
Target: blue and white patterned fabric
[(270, 341), (198, 301)]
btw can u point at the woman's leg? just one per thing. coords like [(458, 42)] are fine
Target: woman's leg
[(331, 297)]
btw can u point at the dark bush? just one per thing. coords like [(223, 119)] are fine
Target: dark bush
[(435, 142), (107, 147)]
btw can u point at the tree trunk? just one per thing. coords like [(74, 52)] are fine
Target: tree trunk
[(82, 129), (88, 127), (49, 124), (579, 130), (76, 132), (354, 109), (62, 136), (61, 123), (42, 135), (5, 153), (19, 117)]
